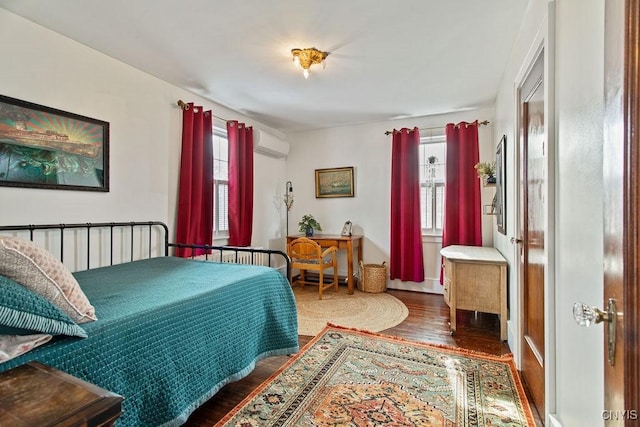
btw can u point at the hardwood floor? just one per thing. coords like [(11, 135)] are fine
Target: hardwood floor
[(428, 321)]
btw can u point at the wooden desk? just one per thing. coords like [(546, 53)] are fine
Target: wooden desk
[(475, 278), (341, 242), (38, 395)]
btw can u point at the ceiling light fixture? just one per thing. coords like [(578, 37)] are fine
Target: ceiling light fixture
[(307, 57)]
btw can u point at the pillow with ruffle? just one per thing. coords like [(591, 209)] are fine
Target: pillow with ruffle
[(23, 312), (38, 270), (12, 346)]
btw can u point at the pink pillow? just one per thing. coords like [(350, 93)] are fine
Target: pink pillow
[(38, 270)]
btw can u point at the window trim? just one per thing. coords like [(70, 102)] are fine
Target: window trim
[(433, 234), (220, 236)]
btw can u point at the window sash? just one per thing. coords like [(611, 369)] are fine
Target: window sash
[(220, 183), (221, 209), (432, 207)]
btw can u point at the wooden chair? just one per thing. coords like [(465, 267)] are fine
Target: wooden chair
[(307, 254)]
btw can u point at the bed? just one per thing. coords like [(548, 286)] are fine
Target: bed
[(170, 332)]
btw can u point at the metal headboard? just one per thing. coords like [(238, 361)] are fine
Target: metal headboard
[(133, 225), (89, 226)]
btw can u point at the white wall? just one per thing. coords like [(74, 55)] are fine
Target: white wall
[(575, 355), (579, 112), (368, 150), (43, 67)]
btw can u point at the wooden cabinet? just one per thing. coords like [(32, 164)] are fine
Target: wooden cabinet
[(38, 395), (475, 278)]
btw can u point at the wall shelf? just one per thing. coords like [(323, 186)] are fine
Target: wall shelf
[(488, 210)]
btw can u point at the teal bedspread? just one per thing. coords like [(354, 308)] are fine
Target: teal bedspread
[(171, 332)]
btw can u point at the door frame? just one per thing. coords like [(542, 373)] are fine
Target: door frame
[(622, 141), (543, 44), (632, 205), (631, 93)]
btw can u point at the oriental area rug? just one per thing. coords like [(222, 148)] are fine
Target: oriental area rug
[(346, 377), (362, 310)]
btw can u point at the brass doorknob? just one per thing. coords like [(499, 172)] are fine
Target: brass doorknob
[(516, 241), (587, 316)]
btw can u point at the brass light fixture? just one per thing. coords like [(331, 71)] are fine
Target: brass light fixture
[(307, 57)]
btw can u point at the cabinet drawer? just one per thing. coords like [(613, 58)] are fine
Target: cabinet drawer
[(327, 243), (478, 287), (447, 269), (447, 291)]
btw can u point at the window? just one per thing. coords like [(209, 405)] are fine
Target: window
[(220, 183), (432, 178)]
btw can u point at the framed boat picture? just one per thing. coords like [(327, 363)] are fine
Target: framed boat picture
[(42, 147), (334, 182)]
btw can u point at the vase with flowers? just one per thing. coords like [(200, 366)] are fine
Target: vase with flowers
[(486, 171), (307, 224)]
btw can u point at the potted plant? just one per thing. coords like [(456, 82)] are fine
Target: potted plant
[(486, 171), (307, 224)]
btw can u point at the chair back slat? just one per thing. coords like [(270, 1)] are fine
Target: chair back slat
[(304, 249)]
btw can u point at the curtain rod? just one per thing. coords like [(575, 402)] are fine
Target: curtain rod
[(484, 122), (184, 105)]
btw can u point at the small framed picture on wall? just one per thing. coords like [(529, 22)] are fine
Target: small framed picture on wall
[(334, 182)]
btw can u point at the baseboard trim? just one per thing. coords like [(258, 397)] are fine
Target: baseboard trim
[(553, 421), (429, 286)]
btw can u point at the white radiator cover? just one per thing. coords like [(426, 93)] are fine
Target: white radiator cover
[(242, 257)]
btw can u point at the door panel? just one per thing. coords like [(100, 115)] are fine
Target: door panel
[(533, 204)]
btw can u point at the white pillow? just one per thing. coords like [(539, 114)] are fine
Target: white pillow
[(39, 271), (15, 345)]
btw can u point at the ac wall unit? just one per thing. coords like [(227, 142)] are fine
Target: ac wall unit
[(269, 145)]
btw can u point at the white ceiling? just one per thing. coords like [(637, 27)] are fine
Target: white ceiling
[(389, 59)]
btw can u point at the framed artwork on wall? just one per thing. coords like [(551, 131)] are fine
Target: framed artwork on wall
[(42, 147), (334, 182), (500, 201)]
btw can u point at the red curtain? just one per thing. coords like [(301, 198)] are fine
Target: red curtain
[(195, 197), (240, 183), (406, 261), (462, 210)]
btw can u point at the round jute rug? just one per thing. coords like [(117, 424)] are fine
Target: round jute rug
[(370, 311)]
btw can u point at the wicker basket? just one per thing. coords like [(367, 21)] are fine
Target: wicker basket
[(373, 278)]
